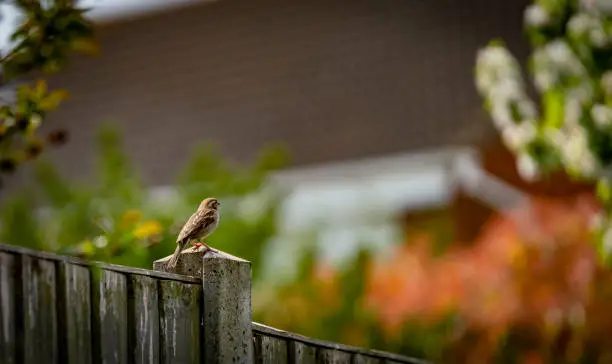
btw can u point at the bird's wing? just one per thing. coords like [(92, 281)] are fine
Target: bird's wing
[(196, 222)]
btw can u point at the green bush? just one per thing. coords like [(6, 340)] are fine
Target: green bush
[(114, 219)]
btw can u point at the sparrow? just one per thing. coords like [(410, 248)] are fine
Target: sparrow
[(199, 226)]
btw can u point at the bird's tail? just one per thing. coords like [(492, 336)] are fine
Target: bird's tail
[(175, 257)]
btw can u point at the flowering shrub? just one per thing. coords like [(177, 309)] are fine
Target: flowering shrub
[(571, 67)]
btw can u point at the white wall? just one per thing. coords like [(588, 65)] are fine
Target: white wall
[(342, 206)]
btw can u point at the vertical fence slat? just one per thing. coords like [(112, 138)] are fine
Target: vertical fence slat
[(300, 353), (329, 356), (270, 350), (40, 311), (9, 309), (144, 312), (75, 306), (256, 348), (364, 359), (111, 318), (180, 322)]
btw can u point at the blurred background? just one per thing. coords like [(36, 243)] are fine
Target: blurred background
[(356, 167)]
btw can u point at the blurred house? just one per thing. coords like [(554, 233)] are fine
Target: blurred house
[(334, 80), (374, 98)]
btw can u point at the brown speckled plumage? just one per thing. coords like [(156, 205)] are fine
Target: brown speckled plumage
[(199, 226)]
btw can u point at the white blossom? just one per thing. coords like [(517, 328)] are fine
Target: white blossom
[(589, 26), (576, 153), (527, 109), (596, 6), (599, 38), (536, 16), (506, 89), (581, 93), (572, 112), (580, 23), (527, 166), (494, 65), (553, 60), (501, 115), (602, 115), (495, 56), (544, 79), (501, 109), (498, 80), (517, 136)]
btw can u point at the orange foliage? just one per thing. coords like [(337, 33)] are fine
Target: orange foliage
[(536, 270)]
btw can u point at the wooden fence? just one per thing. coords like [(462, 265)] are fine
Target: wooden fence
[(58, 309)]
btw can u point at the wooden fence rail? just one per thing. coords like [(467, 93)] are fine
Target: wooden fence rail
[(58, 309)]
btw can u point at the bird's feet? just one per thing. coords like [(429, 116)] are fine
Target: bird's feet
[(196, 245), (199, 244)]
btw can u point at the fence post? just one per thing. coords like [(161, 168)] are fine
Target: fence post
[(226, 316)]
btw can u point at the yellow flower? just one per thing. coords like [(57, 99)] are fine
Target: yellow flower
[(147, 229), (87, 247), (129, 218)]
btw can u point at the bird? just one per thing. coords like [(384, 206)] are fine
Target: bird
[(199, 226)]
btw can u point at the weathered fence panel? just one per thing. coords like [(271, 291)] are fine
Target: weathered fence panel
[(111, 317), (144, 312), (74, 308), (365, 359), (40, 312), (10, 297), (180, 322), (301, 349), (270, 349), (57, 309), (300, 353)]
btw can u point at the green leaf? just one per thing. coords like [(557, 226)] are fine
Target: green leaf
[(554, 105), (52, 100), (51, 66), (39, 90), (604, 191), (85, 45), (17, 65)]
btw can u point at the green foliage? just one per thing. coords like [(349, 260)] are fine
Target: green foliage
[(17, 215), (113, 221), (51, 31)]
